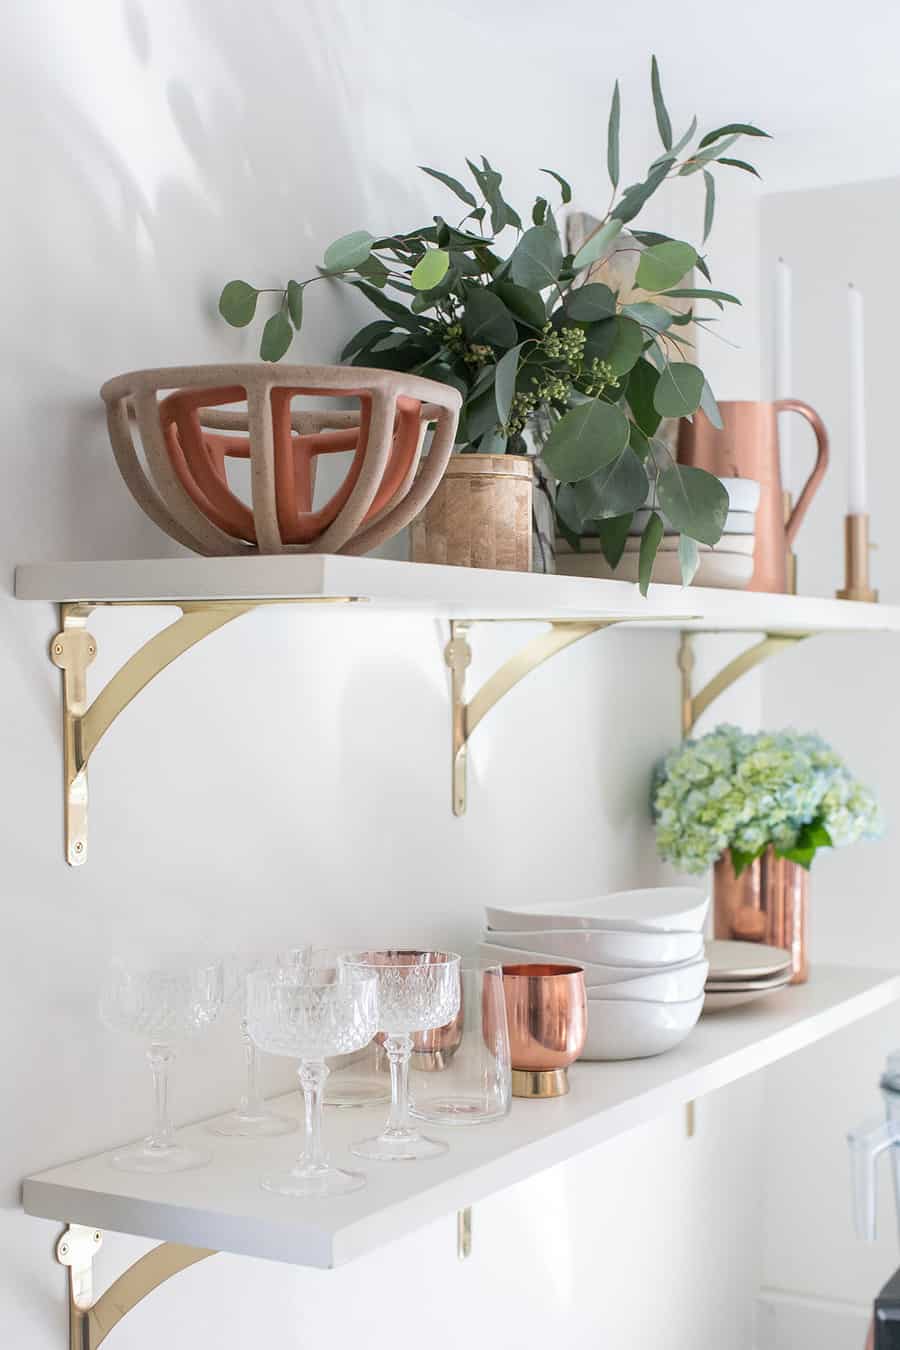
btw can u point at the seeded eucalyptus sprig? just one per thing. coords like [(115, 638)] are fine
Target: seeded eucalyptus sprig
[(532, 338)]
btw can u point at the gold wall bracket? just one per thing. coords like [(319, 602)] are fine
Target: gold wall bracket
[(458, 656), (694, 705), (74, 649), (91, 1320), (464, 1233)]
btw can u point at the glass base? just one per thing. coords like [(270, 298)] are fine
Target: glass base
[(355, 1092), (456, 1111), (306, 1182), (149, 1157), (253, 1125), (399, 1146)]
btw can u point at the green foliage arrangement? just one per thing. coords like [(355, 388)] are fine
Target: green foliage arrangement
[(532, 342), (744, 791)]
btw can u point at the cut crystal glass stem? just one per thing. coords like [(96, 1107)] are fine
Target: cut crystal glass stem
[(313, 1074), (252, 1103), (399, 1049), (162, 1136)]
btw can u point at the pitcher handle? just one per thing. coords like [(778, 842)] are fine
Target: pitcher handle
[(811, 485)]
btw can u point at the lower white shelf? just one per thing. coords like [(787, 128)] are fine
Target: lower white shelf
[(223, 1207)]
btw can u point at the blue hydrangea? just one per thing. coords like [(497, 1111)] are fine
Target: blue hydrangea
[(743, 790)]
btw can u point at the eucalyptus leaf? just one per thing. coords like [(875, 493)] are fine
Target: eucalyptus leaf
[(348, 251), (739, 164), (597, 245), (564, 188), (635, 198), (701, 157), (536, 259), (526, 305), (694, 501), (650, 316), (709, 204), (612, 136), (276, 337), (392, 308), (734, 129), (295, 303), (539, 211), (627, 345), (638, 442), (369, 334), (374, 270), (663, 122), (683, 140), (487, 320), (590, 302), (641, 387), (702, 293), (567, 509), (651, 538), (664, 265), (505, 382), (679, 390), (431, 269), (453, 184), (613, 536), (710, 407), (237, 303), (584, 439), (493, 443), (481, 414), (615, 489), (688, 558)]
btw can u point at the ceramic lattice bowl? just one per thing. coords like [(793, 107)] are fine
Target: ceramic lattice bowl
[(195, 422)]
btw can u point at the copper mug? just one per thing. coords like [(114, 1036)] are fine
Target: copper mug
[(747, 447), (546, 1007)]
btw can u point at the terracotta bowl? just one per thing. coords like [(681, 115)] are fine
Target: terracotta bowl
[(194, 419)]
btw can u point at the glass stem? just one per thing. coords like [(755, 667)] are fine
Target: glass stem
[(252, 1103), (399, 1049), (160, 1057), (313, 1073)]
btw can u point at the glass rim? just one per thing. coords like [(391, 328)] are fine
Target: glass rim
[(279, 977), (364, 959)]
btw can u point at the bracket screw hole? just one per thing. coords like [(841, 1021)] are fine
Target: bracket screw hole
[(79, 846), (57, 648), (64, 1249)]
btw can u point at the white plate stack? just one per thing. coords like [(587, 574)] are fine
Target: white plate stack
[(641, 952), (741, 972), (728, 565)]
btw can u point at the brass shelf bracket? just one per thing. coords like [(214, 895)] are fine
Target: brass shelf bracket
[(458, 656), (694, 705), (464, 1233), (74, 649), (91, 1320)]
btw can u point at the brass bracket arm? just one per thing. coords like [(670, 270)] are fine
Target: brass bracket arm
[(693, 705), (74, 649), (466, 715), (91, 1320)]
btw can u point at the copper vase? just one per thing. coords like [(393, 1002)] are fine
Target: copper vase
[(747, 447), (767, 903)]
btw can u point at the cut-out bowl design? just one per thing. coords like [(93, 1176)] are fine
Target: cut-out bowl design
[(188, 432)]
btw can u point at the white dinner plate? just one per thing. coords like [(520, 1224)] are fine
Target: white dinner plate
[(731, 960), (721, 1002)]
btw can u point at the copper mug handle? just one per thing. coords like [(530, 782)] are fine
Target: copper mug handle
[(812, 483)]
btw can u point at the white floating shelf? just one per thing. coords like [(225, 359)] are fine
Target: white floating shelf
[(223, 1207), (457, 592)]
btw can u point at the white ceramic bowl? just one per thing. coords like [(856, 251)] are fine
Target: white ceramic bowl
[(637, 1029), (607, 948), (657, 909), (736, 522), (595, 975), (676, 984)]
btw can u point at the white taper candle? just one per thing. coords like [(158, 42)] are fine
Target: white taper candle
[(784, 378), (856, 440)]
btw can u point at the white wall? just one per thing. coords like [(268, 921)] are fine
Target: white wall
[(845, 688), (289, 778)]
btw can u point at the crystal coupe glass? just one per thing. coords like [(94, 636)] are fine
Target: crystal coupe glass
[(162, 1005), (417, 991), (309, 1014)]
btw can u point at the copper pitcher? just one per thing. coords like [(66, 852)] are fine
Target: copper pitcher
[(747, 447)]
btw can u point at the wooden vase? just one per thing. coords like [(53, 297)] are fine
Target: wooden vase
[(768, 903), (479, 516)]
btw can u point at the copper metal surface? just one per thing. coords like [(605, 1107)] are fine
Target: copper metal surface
[(546, 1007), (747, 447), (769, 903)]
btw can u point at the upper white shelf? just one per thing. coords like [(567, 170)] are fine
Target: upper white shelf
[(223, 1207), (457, 592)]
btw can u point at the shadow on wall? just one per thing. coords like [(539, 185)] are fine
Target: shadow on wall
[(123, 243)]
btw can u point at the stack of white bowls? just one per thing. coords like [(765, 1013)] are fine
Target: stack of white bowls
[(728, 565), (642, 955)]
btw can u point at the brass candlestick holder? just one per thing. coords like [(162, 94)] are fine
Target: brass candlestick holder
[(856, 550)]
